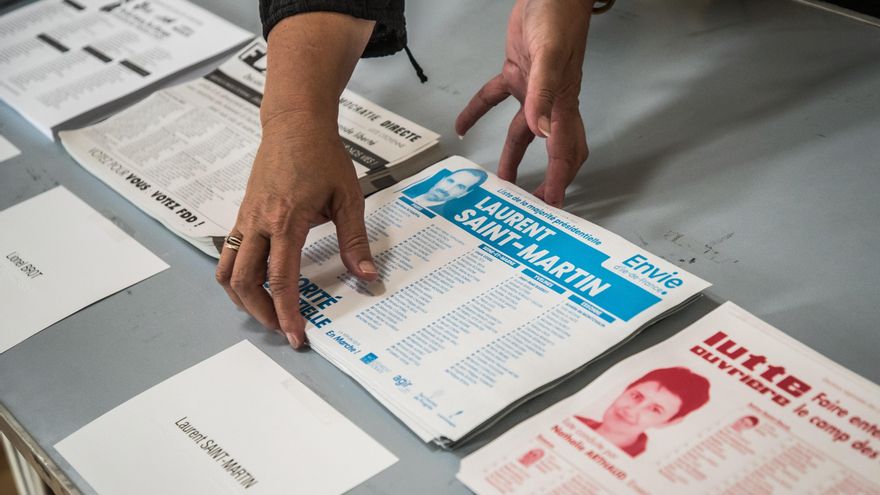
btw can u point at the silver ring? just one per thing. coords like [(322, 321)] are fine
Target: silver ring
[(232, 242)]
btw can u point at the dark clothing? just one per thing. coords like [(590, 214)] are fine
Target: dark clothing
[(389, 35), (632, 449)]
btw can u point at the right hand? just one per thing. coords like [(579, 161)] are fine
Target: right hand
[(302, 176), (546, 42)]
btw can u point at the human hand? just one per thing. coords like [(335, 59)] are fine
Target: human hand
[(546, 41), (301, 176)]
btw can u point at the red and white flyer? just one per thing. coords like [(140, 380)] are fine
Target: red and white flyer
[(730, 405)]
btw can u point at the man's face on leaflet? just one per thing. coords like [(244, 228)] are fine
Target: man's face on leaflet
[(452, 186), (642, 406)]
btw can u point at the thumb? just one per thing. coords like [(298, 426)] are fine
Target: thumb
[(543, 87), (354, 247)]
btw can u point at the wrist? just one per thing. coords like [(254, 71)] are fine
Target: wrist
[(309, 116), (310, 59)]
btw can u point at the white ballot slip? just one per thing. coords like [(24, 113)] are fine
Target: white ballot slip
[(7, 149), (729, 405), (59, 256), (184, 154), (486, 296), (61, 58), (234, 423)]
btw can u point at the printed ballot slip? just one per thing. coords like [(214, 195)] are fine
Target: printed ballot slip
[(184, 154), (486, 296), (730, 405), (59, 255), (8, 150), (62, 58), (234, 423)]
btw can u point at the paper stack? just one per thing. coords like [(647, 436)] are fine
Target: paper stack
[(184, 154)]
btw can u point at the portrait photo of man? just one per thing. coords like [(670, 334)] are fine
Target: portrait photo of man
[(446, 186), (659, 399)]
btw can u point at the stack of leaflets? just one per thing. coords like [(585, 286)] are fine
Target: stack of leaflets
[(183, 155), (486, 297), (729, 405), (61, 59)]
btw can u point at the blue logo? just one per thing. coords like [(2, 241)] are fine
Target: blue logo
[(401, 382), (369, 358)]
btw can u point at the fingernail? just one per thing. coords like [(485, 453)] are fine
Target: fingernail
[(292, 340), (460, 137), (544, 126), (368, 267)]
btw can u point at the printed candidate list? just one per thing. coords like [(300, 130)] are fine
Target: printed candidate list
[(485, 296)]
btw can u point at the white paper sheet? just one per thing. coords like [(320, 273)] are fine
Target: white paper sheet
[(7, 149), (234, 423), (58, 256), (61, 58)]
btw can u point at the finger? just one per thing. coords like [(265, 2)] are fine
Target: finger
[(223, 274), (491, 94), (354, 246), (519, 136), (543, 87), (285, 252), (248, 275), (566, 151)]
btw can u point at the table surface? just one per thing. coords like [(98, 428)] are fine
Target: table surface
[(738, 139)]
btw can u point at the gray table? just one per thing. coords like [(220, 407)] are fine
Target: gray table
[(739, 139)]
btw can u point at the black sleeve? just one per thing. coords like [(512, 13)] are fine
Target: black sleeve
[(389, 35)]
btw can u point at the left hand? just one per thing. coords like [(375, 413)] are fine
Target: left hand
[(546, 41)]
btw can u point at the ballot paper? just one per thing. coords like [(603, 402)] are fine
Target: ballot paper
[(234, 423), (7, 149), (729, 405), (486, 296), (184, 154), (61, 58), (59, 256)]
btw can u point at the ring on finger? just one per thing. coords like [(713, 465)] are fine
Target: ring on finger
[(232, 242)]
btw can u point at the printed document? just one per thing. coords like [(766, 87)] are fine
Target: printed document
[(61, 58), (58, 256), (7, 149), (486, 296), (234, 423), (730, 405), (184, 154)]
